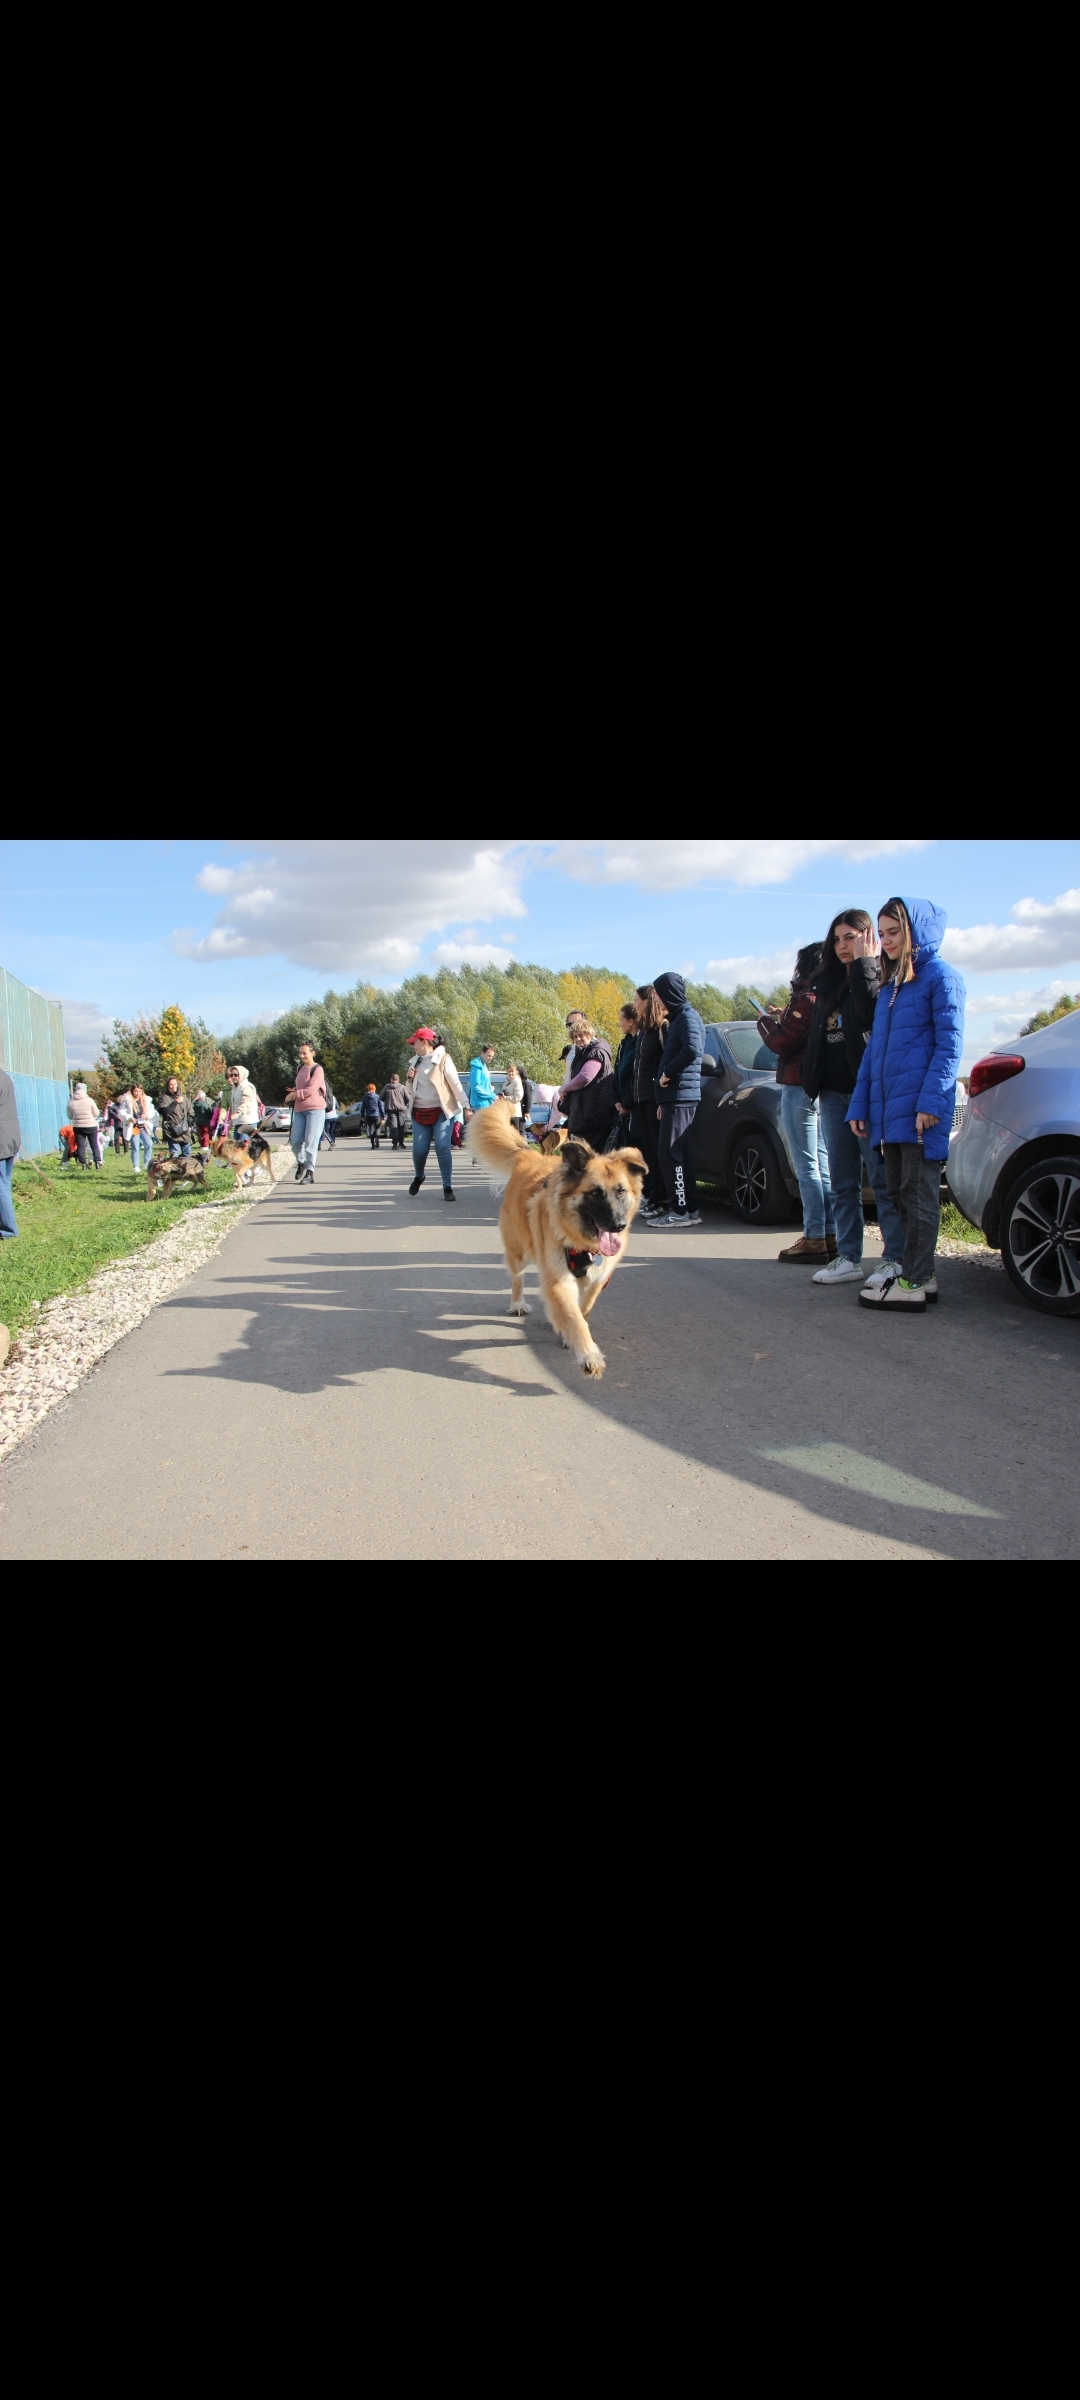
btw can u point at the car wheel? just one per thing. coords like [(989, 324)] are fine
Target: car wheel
[(755, 1182), (1040, 1235)]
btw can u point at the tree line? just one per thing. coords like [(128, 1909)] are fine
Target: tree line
[(360, 1035)]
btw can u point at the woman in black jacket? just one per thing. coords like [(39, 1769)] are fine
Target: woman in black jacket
[(847, 990), (644, 1130)]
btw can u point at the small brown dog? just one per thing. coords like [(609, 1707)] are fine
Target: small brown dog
[(164, 1174), (243, 1162), (569, 1215)]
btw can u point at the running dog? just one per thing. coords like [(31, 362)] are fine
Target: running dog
[(243, 1161), (164, 1174), (568, 1215)]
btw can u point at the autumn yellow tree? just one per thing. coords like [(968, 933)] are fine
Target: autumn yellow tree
[(600, 994), (176, 1044)]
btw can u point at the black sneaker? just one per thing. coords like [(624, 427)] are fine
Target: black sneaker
[(299, 1175), (415, 1186), (448, 1193), (309, 1175)]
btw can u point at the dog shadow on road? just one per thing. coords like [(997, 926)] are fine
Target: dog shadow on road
[(704, 1356), (320, 1329)]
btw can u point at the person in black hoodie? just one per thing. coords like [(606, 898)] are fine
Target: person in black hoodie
[(848, 984), (644, 1133), (678, 1091)]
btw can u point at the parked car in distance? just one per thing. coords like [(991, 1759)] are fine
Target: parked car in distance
[(275, 1120), (1014, 1165), (350, 1120)]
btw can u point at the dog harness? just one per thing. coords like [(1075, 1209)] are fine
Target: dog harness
[(579, 1262)]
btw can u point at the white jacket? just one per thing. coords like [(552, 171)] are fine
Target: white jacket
[(243, 1101)]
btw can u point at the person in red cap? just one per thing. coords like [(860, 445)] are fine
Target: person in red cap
[(436, 1097)]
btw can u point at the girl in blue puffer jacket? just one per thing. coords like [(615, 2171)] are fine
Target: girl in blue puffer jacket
[(906, 1090)]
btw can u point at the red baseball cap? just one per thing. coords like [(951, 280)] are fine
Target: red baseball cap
[(424, 1033)]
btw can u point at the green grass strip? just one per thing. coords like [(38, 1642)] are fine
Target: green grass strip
[(72, 1222)]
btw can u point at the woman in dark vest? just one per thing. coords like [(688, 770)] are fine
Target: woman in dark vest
[(588, 1095)]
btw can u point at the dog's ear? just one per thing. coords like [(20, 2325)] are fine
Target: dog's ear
[(633, 1159), (575, 1158)]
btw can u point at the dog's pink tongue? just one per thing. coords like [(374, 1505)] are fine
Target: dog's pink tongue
[(610, 1245)]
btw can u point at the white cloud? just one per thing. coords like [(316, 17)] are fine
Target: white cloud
[(1046, 934), (671, 866), (217, 879), (367, 907), (1015, 1004), (764, 972), (469, 952), (85, 1028)]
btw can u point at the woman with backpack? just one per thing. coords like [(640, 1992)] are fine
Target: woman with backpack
[(848, 984), (787, 1034)]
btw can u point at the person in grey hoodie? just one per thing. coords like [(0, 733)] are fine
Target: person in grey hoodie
[(10, 1146), (678, 1093)]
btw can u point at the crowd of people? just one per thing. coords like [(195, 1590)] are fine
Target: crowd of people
[(868, 1050)]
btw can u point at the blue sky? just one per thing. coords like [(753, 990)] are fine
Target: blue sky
[(236, 930)]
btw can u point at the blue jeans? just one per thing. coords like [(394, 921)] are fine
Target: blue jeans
[(8, 1228), (179, 1149), (442, 1129), (801, 1130), (305, 1134), (147, 1145), (848, 1155)]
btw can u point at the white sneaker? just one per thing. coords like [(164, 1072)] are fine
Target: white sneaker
[(882, 1274), (839, 1270)]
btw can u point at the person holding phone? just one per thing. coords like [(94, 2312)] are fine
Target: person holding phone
[(848, 982)]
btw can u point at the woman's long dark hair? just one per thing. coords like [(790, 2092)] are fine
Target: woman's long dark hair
[(832, 979), (808, 961)]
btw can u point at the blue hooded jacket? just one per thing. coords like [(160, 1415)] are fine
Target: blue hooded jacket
[(481, 1088), (681, 1057), (912, 1058)]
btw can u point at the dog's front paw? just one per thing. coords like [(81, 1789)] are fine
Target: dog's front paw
[(594, 1364), (520, 1310)]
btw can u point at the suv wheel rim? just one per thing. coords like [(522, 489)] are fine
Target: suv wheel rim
[(751, 1182), (1044, 1236)]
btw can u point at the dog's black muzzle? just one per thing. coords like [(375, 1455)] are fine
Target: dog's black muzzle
[(601, 1217)]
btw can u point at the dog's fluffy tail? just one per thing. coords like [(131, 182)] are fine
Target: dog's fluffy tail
[(495, 1141)]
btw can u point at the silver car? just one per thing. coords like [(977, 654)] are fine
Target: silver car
[(1014, 1166)]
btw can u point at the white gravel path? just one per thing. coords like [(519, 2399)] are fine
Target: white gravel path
[(71, 1333)]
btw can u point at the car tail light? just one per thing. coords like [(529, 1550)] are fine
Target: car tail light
[(994, 1070)]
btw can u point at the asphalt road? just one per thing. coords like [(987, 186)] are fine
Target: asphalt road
[(341, 1381)]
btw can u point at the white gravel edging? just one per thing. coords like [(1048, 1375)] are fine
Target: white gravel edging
[(71, 1333), (975, 1251)]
